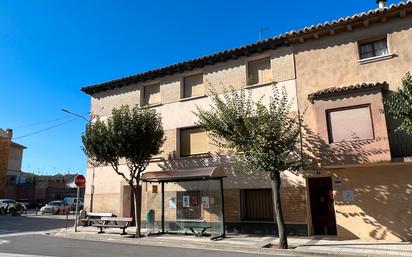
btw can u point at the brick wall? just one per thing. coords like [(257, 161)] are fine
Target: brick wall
[(4, 156)]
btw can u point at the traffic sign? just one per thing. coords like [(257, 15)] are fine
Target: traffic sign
[(80, 180)]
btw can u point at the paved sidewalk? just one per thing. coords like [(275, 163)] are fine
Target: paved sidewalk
[(300, 246), (353, 248)]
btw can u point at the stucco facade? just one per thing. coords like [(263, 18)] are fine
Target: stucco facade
[(380, 206), (112, 194), (368, 186)]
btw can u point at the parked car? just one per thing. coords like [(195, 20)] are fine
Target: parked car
[(10, 204), (39, 203), (54, 207), (25, 202), (71, 202), (3, 208)]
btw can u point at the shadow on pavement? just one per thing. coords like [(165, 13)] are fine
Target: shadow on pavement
[(19, 224)]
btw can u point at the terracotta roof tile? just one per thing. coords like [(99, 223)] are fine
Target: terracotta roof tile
[(270, 43), (332, 91)]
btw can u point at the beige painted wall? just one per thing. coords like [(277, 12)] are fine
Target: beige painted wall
[(179, 114), (359, 151), (15, 158), (334, 61), (382, 205)]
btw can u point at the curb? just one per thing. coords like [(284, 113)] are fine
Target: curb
[(335, 254), (202, 246)]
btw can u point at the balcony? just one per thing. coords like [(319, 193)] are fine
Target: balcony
[(399, 142)]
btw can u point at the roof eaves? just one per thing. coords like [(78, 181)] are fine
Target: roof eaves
[(287, 38), (334, 91)]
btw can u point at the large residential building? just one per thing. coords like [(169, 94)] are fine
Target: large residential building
[(337, 74)]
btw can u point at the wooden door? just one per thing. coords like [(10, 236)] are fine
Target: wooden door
[(322, 208)]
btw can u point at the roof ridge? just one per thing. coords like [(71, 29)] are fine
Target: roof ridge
[(247, 49)]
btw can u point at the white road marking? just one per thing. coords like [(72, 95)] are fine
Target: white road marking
[(21, 255), (24, 233), (2, 242)]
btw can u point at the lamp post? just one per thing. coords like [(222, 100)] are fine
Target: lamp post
[(88, 121)]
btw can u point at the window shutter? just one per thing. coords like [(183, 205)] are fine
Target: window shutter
[(193, 141), (259, 71), (350, 124), (151, 95), (193, 86)]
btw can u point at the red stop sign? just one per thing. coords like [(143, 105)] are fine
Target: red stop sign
[(80, 180)]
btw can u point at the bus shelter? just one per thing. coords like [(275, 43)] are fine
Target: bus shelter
[(184, 201)]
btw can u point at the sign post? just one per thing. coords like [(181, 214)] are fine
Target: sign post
[(80, 181)]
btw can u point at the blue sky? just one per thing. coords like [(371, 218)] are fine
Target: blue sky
[(50, 49)]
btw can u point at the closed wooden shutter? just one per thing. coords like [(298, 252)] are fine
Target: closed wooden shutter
[(193, 86), (350, 124), (258, 205), (151, 94), (259, 71), (193, 141)]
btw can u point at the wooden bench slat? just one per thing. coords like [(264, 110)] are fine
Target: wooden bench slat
[(126, 219)]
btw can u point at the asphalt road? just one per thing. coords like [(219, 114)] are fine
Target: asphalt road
[(26, 236)]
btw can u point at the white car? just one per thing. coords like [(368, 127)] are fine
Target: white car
[(71, 202), (9, 204), (3, 208), (54, 207)]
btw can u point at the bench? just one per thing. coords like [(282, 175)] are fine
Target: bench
[(92, 217), (113, 222), (198, 230)]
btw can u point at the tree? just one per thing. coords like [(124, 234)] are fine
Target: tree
[(399, 104), (264, 136), (131, 135)]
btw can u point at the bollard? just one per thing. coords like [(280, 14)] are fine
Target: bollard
[(67, 219), (37, 209)]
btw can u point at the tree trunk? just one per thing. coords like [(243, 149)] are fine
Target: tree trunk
[(283, 241), (136, 196)]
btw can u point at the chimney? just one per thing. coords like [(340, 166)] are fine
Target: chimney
[(381, 3), (9, 133)]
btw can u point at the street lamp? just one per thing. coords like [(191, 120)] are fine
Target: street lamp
[(75, 114), (88, 121)]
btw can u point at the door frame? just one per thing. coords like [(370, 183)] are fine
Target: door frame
[(309, 205)]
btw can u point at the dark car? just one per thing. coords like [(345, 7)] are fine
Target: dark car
[(25, 202)]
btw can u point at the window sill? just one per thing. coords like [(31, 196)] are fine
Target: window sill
[(376, 58), (198, 155), (151, 105), (191, 98), (260, 84), (357, 141)]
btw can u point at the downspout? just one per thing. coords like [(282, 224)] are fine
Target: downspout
[(308, 207)]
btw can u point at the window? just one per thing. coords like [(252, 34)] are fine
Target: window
[(259, 71), (193, 141), (257, 204), (151, 95), (350, 124), (373, 49), (193, 86)]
